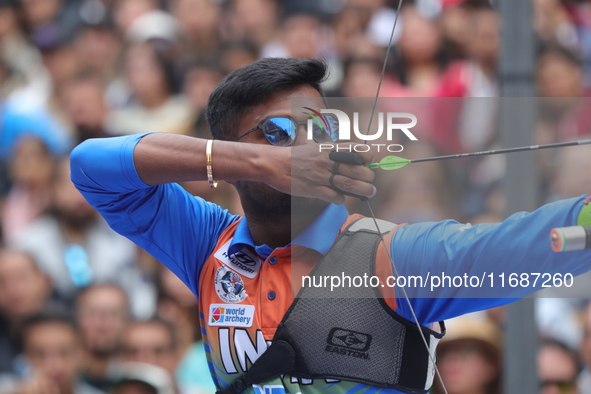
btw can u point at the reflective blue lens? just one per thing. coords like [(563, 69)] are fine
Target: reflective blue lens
[(279, 131), (333, 124), (321, 133)]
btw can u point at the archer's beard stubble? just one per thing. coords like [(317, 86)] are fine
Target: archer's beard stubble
[(263, 200)]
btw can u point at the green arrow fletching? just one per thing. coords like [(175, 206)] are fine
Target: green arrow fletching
[(390, 163)]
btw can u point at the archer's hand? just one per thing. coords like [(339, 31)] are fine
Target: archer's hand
[(304, 171)]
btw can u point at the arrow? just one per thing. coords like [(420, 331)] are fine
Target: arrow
[(395, 162)]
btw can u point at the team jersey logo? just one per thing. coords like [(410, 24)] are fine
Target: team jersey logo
[(244, 262), (231, 316), (229, 286)]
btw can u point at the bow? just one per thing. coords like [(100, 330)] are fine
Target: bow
[(394, 269)]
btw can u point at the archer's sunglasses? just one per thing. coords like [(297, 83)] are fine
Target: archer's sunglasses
[(282, 131)]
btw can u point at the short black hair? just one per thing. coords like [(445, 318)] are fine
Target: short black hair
[(567, 55), (553, 343), (48, 316), (158, 322), (147, 387), (251, 85), (99, 286), (14, 4)]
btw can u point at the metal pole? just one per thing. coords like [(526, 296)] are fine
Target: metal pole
[(516, 70)]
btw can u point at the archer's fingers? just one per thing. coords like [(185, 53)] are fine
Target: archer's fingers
[(366, 156), (328, 194), (354, 186), (361, 173)]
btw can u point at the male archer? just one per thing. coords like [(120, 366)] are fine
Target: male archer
[(295, 223)]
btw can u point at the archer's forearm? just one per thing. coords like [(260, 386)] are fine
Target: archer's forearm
[(165, 158), (103, 168), (490, 253), (178, 229)]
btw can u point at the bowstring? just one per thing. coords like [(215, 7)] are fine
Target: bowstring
[(395, 270)]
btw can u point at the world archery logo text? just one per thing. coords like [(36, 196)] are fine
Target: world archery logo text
[(229, 286), (394, 122), (231, 316)]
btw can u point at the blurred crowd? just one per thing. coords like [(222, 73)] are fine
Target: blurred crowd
[(83, 310)]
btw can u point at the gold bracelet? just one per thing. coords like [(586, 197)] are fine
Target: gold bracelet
[(213, 184)]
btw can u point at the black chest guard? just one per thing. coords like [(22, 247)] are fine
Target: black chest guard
[(349, 333)]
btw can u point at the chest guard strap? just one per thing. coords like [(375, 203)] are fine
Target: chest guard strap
[(349, 333)]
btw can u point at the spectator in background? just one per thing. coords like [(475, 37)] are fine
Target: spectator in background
[(153, 342), (469, 358), (303, 35), (177, 305), (346, 27), (554, 24), (199, 81), (18, 119), (558, 367), (9, 80), (200, 22), (125, 12), (469, 124), (253, 21), (59, 56), (20, 59), (420, 62), (361, 77), (51, 344), (38, 13), (565, 102), (477, 76), (155, 107), (24, 292), (12, 74), (584, 380), (235, 55), (30, 171), (75, 247), (376, 18), (455, 25), (98, 48), (83, 100), (559, 73), (581, 16), (158, 26), (102, 311), (141, 378), (348, 40), (62, 62)]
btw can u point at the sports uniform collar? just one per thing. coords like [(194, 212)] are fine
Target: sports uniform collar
[(319, 235)]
